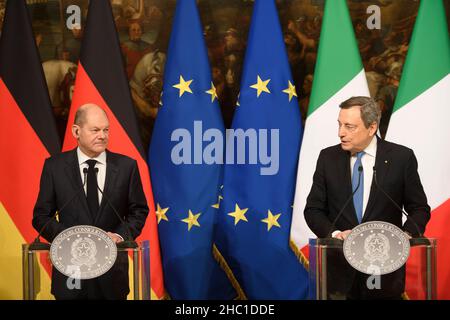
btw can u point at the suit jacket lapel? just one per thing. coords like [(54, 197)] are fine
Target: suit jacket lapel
[(74, 176), (344, 165), (110, 178), (382, 163)]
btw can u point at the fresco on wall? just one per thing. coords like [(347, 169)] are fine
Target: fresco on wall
[(144, 28)]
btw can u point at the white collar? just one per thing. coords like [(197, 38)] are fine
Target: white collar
[(82, 158), (371, 149)]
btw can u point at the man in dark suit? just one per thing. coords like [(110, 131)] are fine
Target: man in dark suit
[(337, 175), (117, 176)]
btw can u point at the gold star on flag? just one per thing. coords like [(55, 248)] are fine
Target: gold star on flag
[(161, 213), (260, 86), (237, 102), (271, 220), (290, 91), (212, 92), (183, 86), (238, 214), (191, 220)]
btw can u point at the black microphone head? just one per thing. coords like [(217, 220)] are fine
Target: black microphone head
[(360, 168), (85, 170), (374, 169), (96, 170)]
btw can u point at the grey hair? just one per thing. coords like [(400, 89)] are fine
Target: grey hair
[(80, 116), (370, 111)]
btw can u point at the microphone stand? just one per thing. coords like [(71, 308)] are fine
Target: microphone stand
[(396, 205), (128, 243), (360, 169), (37, 244)]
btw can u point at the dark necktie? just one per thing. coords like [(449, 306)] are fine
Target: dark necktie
[(92, 193)]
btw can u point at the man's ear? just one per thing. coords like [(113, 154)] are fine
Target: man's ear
[(373, 128), (75, 131)]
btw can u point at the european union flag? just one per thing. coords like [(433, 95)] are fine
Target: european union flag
[(258, 192), (186, 173)]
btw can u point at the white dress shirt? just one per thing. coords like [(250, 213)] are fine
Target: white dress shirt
[(101, 175), (368, 162), (101, 165)]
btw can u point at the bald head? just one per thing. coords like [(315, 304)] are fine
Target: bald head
[(91, 129), (83, 112)]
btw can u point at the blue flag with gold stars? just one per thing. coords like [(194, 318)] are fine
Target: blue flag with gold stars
[(260, 172), (186, 166)]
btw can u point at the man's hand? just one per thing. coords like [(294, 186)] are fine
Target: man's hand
[(342, 235), (115, 237)]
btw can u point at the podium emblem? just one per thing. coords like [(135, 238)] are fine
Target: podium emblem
[(376, 247), (83, 252)]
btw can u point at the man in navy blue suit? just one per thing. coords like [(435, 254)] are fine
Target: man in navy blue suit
[(336, 176), (117, 176)]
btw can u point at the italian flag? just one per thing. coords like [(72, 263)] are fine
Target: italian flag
[(339, 75), (420, 121)]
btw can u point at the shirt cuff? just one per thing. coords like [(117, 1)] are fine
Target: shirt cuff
[(333, 235), (119, 236)]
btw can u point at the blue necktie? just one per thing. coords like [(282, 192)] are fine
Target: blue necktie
[(359, 194)]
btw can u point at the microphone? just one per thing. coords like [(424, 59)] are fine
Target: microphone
[(37, 244), (395, 203), (360, 169), (129, 243)]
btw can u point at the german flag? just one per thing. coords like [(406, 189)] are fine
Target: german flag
[(101, 80), (28, 135)]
